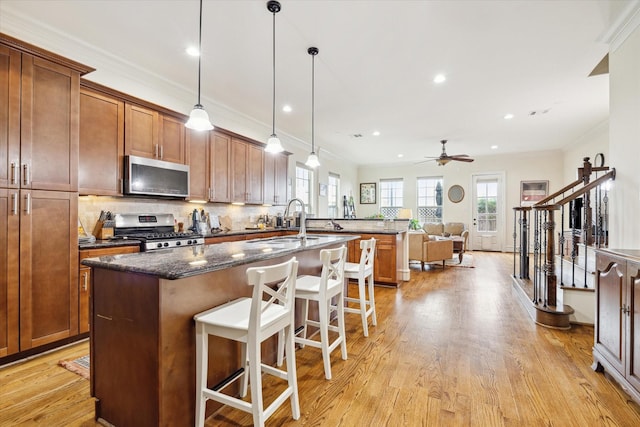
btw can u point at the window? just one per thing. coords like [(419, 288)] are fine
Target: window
[(304, 186), (430, 199), (487, 200), (391, 197), (332, 195)]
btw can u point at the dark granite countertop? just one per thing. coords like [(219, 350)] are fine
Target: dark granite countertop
[(101, 244), (368, 231), (178, 263)]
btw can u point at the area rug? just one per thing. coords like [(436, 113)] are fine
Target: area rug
[(467, 261), (80, 366)]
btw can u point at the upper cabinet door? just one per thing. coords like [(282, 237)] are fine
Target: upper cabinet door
[(142, 130), (50, 125), (220, 162), (198, 160), (101, 144), (172, 135), (9, 117)]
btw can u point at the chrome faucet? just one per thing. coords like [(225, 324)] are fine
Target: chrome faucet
[(303, 229)]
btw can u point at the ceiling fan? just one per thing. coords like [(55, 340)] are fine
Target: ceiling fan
[(444, 158)]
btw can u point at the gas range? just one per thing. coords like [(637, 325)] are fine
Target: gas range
[(155, 231)]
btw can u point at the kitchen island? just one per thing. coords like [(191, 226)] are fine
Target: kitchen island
[(142, 330)]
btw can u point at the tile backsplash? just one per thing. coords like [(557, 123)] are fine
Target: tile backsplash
[(89, 208)]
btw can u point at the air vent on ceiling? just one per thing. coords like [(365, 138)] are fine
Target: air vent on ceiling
[(356, 135), (538, 112)]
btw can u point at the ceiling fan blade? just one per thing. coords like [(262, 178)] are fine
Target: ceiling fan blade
[(461, 159)]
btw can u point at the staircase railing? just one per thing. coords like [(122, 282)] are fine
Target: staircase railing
[(585, 198)]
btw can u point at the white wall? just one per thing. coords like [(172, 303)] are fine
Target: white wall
[(541, 165), (624, 148)]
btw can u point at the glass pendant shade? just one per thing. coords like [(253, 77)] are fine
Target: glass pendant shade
[(313, 161), (199, 119), (273, 145)]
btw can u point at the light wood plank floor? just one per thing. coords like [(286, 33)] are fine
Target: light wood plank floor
[(452, 348)]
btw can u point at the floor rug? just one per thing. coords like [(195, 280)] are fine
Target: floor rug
[(467, 261), (80, 366)]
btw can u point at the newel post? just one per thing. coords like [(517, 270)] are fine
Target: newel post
[(549, 269)]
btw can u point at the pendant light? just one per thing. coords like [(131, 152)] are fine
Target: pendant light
[(312, 161), (273, 143), (199, 119)]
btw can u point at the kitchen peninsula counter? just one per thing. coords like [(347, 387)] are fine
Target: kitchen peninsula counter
[(142, 329)]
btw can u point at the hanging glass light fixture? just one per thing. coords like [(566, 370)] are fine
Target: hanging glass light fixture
[(312, 161), (273, 143), (198, 118)]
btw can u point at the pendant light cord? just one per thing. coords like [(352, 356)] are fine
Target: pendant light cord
[(199, 52), (313, 103), (273, 109)]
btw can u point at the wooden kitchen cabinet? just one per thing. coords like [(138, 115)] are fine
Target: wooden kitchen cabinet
[(276, 168), (246, 172), (40, 103), (39, 145), (152, 134), (48, 267), (386, 259), (84, 282), (617, 324), (199, 165), (101, 144), (9, 267), (220, 164), (10, 65)]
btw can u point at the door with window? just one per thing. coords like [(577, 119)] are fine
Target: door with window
[(487, 231)]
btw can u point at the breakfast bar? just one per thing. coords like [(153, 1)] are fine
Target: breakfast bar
[(142, 332)]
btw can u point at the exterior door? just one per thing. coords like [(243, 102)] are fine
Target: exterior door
[(487, 231)]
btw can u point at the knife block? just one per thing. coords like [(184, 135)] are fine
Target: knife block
[(103, 229)]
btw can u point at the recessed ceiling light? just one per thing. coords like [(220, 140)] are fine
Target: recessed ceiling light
[(494, 147), (376, 133), (286, 108), (508, 116), (193, 51), (440, 78), (400, 155)]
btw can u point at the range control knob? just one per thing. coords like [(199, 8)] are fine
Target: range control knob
[(159, 245), (166, 244), (189, 242), (178, 243)]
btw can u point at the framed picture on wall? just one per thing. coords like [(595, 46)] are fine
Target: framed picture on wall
[(367, 193), (322, 192), (531, 192)]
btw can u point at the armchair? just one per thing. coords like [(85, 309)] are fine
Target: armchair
[(422, 249)]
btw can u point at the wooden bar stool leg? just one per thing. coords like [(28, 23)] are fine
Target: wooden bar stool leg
[(291, 372)]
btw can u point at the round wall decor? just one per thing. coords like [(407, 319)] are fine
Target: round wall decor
[(456, 193)]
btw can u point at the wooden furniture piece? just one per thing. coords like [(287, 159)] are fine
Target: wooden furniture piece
[(142, 345), (616, 346), (246, 172), (84, 284), (423, 249), (363, 272), (39, 118), (251, 321), (101, 143), (153, 134), (276, 167), (388, 256), (323, 289)]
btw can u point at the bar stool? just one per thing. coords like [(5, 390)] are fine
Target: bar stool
[(251, 321), (322, 289), (363, 271)]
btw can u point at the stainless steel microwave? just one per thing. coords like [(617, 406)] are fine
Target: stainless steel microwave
[(150, 177)]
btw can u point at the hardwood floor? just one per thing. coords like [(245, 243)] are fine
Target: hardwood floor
[(452, 348)]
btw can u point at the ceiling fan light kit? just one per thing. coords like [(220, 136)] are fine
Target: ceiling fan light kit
[(444, 158)]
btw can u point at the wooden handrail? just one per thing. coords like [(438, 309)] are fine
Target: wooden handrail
[(609, 175), (559, 192)]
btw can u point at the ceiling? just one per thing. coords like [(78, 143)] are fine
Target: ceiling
[(374, 71)]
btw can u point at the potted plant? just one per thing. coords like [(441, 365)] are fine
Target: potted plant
[(414, 224)]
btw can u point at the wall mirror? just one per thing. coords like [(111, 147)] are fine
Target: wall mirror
[(456, 193)]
